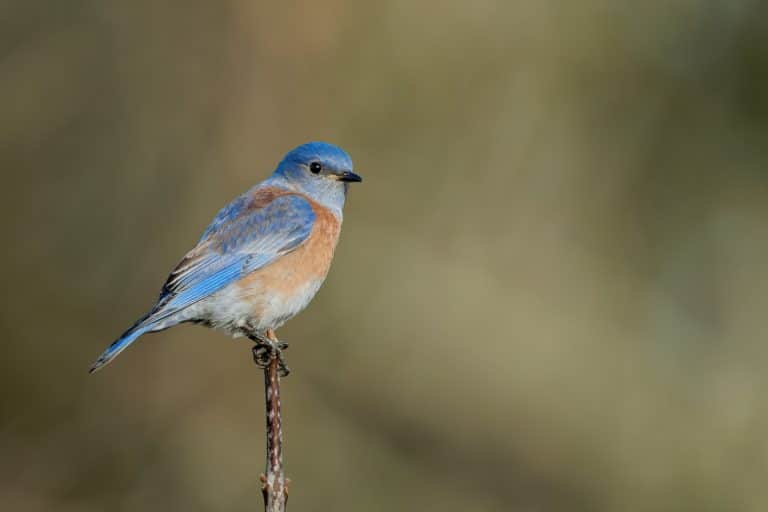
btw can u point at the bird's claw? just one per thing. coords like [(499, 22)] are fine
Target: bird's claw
[(265, 350)]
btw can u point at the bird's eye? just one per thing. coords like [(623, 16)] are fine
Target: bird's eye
[(315, 167)]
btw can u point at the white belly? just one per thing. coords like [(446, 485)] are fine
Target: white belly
[(236, 309)]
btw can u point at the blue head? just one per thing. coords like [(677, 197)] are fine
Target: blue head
[(319, 170)]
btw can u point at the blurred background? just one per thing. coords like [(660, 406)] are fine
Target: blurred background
[(550, 292)]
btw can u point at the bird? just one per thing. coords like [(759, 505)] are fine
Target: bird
[(261, 260)]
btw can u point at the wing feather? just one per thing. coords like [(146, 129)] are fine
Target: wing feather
[(242, 238)]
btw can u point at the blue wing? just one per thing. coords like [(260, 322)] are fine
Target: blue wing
[(249, 233), (232, 211), (241, 239)]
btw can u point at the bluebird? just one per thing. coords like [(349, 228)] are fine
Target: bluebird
[(262, 259)]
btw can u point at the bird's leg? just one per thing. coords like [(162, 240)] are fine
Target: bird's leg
[(268, 347)]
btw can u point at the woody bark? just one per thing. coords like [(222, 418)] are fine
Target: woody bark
[(274, 485)]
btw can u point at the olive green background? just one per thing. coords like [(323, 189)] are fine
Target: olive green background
[(550, 292)]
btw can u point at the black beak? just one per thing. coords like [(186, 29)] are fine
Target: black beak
[(349, 176)]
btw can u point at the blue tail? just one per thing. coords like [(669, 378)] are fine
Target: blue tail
[(128, 337)]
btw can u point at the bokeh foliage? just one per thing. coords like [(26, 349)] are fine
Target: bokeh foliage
[(550, 292)]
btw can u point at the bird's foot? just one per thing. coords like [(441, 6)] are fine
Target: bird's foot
[(266, 349)]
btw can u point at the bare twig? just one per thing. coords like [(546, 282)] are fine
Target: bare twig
[(274, 485)]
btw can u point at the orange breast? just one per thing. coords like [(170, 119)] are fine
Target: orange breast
[(311, 261)]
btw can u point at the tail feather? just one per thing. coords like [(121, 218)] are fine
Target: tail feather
[(128, 337)]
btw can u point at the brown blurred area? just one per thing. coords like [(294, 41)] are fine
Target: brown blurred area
[(550, 291)]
